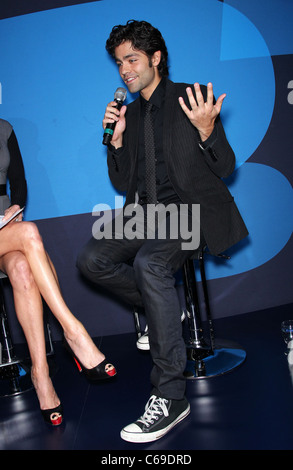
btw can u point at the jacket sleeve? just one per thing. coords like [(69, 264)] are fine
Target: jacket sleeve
[(15, 173), (217, 152), (118, 167)]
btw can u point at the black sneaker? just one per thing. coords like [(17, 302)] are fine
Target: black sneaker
[(160, 416)]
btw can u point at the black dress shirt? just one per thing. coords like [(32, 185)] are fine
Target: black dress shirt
[(165, 191)]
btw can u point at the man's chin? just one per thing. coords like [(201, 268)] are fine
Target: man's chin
[(132, 87)]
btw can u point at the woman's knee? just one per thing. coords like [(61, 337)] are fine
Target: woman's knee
[(31, 235), (19, 272)]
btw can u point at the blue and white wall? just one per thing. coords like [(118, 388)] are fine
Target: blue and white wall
[(56, 79)]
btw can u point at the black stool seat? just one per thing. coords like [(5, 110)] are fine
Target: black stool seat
[(206, 356)]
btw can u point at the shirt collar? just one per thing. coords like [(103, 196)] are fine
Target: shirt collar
[(158, 94)]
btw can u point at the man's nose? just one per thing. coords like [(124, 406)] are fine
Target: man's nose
[(124, 69)]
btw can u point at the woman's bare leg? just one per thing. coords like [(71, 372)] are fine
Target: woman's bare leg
[(29, 310), (25, 237)]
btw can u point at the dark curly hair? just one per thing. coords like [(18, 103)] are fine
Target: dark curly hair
[(143, 37)]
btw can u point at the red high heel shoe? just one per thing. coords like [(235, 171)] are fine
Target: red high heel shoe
[(53, 416), (102, 371)]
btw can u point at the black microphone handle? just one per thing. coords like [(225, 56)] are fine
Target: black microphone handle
[(109, 129)]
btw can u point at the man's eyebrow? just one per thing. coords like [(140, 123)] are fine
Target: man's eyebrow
[(126, 56)]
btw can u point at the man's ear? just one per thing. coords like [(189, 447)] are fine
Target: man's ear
[(156, 58)]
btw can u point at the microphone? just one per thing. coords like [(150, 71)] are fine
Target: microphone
[(119, 97)]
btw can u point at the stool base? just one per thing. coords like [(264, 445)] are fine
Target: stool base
[(14, 379), (204, 363)]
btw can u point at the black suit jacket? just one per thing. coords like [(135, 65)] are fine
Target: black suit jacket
[(195, 173)]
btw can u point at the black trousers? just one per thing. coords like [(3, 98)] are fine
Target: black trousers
[(141, 272)]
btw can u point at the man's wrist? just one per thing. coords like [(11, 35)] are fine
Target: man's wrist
[(114, 150), (205, 134), (204, 144)]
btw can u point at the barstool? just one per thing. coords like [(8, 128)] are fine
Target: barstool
[(14, 370), (206, 356)]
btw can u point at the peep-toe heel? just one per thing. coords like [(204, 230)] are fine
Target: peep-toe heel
[(102, 371)]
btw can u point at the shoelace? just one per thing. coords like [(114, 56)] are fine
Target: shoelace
[(155, 407)]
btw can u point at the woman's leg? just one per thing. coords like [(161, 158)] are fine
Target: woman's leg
[(29, 310), (25, 237)]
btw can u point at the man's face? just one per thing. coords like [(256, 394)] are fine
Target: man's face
[(138, 72)]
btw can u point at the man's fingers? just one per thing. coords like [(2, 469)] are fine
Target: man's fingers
[(210, 94), (198, 94), (219, 102)]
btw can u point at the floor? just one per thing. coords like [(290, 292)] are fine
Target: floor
[(248, 408)]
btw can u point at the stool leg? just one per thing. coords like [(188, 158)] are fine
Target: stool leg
[(5, 336), (197, 349), (50, 351), (14, 374), (205, 361), (206, 299), (137, 322), (192, 306)]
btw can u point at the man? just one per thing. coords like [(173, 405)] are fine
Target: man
[(192, 154)]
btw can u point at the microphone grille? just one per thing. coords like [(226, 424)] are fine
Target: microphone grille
[(120, 94)]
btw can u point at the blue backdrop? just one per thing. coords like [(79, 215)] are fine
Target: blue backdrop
[(56, 79)]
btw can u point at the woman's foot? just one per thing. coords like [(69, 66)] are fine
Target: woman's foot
[(87, 356), (53, 416), (44, 388), (84, 348)]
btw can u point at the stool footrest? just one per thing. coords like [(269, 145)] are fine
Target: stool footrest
[(225, 357)]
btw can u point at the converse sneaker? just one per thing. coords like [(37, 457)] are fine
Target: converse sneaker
[(160, 416), (143, 342)]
